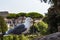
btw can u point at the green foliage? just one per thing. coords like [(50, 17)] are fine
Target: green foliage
[(34, 15), (19, 37), (16, 37), (40, 27), (53, 16), (21, 14), (9, 37), (10, 16), (3, 26), (22, 37), (33, 30)]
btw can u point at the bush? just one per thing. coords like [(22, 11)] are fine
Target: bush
[(39, 28), (22, 37), (15, 37), (42, 27), (3, 26)]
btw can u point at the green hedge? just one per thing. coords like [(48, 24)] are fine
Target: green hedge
[(19, 37), (15, 37)]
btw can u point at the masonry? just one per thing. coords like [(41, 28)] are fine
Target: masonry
[(4, 13)]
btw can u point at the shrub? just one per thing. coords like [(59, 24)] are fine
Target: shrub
[(3, 26), (41, 27)]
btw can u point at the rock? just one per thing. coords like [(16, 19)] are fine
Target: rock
[(54, 36)]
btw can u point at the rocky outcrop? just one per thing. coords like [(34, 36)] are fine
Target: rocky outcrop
[(54, 36)]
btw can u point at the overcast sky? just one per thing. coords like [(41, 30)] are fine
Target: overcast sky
[(15, 6)]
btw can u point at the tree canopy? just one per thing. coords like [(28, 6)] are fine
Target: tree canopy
[(34, 15), (21, 14), (12, 15)]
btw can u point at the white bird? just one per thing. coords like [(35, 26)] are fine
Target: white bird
[(21, 28)]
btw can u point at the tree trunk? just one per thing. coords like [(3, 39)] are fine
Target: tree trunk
[(33, 25), (53, 12)]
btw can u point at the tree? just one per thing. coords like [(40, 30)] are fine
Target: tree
[(34, 16), (11, 15), (21, 14), (3, 26), (53, 15), (40, 27), (56, 5), (53, 20)]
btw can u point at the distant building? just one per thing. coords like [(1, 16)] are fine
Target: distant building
[(4, 13), (11, 23)]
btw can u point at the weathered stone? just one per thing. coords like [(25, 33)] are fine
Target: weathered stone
[(4, 13), (54, 36)]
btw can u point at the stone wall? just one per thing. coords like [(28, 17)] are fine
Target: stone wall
[(4, 13)]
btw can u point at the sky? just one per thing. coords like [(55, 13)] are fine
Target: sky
[(16, 6)]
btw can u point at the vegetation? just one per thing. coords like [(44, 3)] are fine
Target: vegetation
[(53, 15), (3, 26), (19, 37), (34, 15), (40, 28), (21, 14), (36, 26), (48, 25), (12, 15)]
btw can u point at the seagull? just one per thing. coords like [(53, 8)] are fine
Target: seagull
[(21, 28)]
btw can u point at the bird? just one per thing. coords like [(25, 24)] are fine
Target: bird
[(21, 28)]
